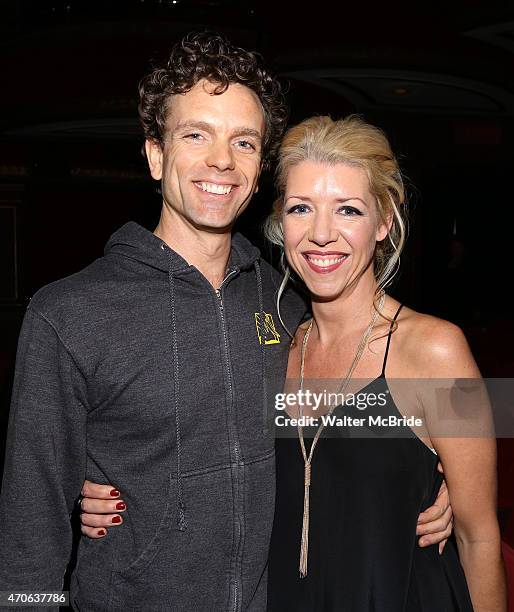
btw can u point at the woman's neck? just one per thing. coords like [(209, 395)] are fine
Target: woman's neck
[(350, 311)]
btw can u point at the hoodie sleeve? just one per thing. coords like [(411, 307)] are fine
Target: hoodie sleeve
[(44, 463)]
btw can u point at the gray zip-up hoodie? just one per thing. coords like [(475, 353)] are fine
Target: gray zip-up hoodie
[(137, 373)]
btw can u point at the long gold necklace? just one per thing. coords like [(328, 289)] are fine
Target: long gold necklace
[(307, 459)]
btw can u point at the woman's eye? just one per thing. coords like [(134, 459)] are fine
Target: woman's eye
[(349, 211), (298, 209)]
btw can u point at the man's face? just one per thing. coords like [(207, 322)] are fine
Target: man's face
[(210, 160)]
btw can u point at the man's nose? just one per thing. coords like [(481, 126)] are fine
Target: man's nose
[(322, 230), (220, 156)]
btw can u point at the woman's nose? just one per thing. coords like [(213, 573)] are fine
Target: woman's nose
[(322, 230)]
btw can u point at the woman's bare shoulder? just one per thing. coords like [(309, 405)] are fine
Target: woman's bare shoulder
[(434, 346)]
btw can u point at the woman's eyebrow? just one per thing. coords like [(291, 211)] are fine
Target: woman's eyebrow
[(299, 197), (343, 200), (338, 200)]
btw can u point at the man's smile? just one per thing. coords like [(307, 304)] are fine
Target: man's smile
[(221, 189)]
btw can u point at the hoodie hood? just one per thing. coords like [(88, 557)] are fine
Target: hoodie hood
[(137, 243)]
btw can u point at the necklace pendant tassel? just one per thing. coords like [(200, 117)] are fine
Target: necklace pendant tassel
[(304, 548)]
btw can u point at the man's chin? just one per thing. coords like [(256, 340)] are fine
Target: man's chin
[(216, 222), (214, 226)]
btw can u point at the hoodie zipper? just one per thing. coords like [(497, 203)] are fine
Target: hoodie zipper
[(238, 479), (236, 447), (225, 341)]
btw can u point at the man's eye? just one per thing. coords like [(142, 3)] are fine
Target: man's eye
[(299, 209), (193, 136), (245, 144)]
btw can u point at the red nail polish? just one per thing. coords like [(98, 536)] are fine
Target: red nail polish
[(114, 493), (116, 519), (102, 532), (120, 506)]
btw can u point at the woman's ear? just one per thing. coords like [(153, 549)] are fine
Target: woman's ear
[(384, 227)]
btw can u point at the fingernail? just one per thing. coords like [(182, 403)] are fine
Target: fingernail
[(116, 519), (422, 541), (114, 493), (120, 506), (101, 532), (440, 550)]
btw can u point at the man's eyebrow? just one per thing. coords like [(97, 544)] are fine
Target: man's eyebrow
[(207, 127), (199, 125), (245, 131)]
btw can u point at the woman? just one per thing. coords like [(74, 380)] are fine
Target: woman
[(339, 218), (342, 536)]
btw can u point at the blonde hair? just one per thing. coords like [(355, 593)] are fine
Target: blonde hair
[(355, 142)]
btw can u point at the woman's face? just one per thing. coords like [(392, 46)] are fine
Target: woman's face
[(331, 226)]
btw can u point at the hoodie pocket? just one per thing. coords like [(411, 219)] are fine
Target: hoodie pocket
[(189, 570)]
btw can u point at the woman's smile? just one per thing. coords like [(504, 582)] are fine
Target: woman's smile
[(324, 262)]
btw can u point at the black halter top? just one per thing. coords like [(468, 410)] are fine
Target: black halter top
[(366, 494)]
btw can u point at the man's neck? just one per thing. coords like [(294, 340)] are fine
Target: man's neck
[(208, 252)]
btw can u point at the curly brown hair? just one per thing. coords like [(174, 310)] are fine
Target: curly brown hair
[(204, 55)]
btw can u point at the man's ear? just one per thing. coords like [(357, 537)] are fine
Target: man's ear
[(153, 151), (258, 177), (384, 228)]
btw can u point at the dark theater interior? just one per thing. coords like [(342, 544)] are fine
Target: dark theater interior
[(438, 78)]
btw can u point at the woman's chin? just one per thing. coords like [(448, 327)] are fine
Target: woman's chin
[(323, 294)]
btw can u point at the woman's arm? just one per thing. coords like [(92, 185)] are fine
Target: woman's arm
[(101, 508), (459, 422)]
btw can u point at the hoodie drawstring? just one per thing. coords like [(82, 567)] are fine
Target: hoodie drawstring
[(263, 352), (182, 523)]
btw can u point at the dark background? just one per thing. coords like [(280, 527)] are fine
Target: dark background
[(438, 78)]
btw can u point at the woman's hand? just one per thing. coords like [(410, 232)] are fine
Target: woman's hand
[(435, 524), (100, 507)]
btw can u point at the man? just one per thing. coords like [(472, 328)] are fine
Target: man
[(150, 368)]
